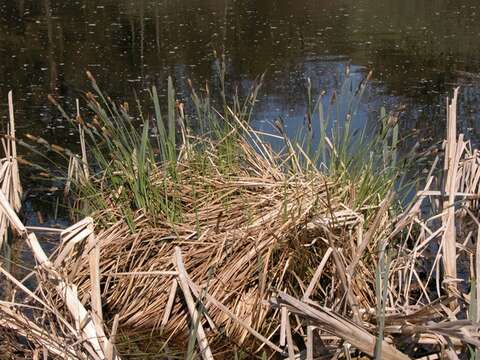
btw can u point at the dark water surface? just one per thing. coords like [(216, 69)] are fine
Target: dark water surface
[(418, 51)]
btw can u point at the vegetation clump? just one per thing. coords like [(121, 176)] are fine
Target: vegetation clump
[(210, 243)]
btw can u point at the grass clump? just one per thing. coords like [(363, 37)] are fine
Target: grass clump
[(248, 219), (209, 241)]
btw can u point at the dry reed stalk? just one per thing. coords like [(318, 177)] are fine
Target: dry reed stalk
[(288, 330), (110, 351), (43, 229), (81, 131), (317, 275), (95, 293), (16, 185), (205, 351), (450, 168), (168, 307), (310, 344), (9, 174), (283, 326)]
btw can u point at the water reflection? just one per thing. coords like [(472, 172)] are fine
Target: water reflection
[(418, 50)]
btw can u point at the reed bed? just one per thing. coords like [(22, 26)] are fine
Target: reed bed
[(217, 246)]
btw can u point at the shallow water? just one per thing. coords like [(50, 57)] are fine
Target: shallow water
[(418, 51)]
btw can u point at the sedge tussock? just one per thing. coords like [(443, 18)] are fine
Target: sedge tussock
[(214, 241)]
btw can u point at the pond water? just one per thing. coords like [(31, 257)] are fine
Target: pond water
[(419, 50)]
